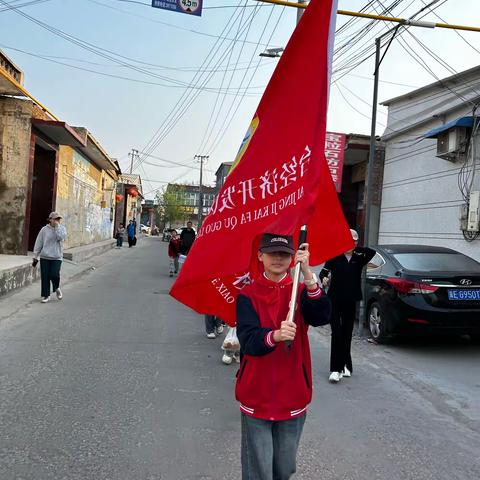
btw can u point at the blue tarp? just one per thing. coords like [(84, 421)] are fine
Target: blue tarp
[(459, 122)]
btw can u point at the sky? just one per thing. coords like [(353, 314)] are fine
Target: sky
[(125, 70)]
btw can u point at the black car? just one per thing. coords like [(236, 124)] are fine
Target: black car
[(414, 289)]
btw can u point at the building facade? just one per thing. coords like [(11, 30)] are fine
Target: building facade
[(187, 199), (425, 193), (47, 165)]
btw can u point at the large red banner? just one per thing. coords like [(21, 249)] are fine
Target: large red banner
[(279, 181), (335, 154)]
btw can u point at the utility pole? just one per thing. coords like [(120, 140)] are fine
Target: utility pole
[(300, 10), (368, 240), (201, 159), (133, 154)]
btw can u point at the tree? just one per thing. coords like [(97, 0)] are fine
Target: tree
[(171, 205)]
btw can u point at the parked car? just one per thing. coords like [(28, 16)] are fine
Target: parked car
[(145, 229), (167, 235), (415, 289)]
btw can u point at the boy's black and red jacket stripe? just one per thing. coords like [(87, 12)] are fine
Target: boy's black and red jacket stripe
[(273, 382)]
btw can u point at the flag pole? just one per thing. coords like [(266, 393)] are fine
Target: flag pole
[(296, 280)]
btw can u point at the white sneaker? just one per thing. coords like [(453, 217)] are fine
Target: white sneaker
[(227, 359), (346, 373), (335, 377), (59, 294), (45, 299), (219, 329), (237, 358), (211, 335)]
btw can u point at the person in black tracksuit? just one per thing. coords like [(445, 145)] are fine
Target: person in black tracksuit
[(343, 275), (187, 237)]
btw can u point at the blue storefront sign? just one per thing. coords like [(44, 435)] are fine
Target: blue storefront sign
[(191, 7)]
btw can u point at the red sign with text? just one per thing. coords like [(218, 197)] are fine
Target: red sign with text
[(335, 153)]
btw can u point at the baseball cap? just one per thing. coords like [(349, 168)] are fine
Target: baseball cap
[(54, 215), (272, 242), (354, 234)]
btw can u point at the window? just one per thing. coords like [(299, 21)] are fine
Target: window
[(376, 262), (427, 262)]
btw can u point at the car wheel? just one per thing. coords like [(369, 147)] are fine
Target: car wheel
[(376, 324)]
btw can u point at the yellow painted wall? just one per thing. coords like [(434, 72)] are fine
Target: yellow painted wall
[(80, 192)]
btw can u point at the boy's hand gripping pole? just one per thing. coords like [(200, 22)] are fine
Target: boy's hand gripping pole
[(296, 279)]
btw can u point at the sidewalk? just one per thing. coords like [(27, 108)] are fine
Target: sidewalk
[(22, 297), (16, 270)]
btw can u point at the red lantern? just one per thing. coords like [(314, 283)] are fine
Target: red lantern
[(133, 193), (118, 197)]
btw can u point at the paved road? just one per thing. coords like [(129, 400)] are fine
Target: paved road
[(118, 382)]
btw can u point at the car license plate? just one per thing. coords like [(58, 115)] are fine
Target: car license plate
[(464, 294)]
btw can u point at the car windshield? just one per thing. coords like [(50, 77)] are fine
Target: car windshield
[(426, 262)]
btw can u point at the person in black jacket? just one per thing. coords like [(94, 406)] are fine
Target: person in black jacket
[(187, 237), (343, 276)]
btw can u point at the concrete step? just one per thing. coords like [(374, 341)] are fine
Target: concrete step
[(79, 254)]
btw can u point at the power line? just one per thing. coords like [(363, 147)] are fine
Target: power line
[(187, 99), (222, 132), (197, 32)]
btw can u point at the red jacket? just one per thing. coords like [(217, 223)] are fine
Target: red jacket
[(174, 247), (273, 382)]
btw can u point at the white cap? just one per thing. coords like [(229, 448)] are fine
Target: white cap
[(354, 234)]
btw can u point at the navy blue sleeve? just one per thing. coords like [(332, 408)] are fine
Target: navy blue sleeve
[(327, 268), (368, 253), (250, 335), (315, 311)]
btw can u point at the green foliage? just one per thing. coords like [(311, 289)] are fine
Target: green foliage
[(171, 205)]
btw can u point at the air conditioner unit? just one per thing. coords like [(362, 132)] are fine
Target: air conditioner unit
[(452, 143)]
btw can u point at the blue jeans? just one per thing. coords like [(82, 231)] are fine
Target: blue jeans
[(269, 448)]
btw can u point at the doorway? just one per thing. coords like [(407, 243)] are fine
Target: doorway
[(43, 189)]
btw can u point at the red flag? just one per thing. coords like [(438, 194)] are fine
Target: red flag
[(280, 179)]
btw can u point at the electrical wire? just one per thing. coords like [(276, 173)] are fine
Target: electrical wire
[(97, 50), (188, 98), (212, 89), (222, 131), (26, 4), (197, 32), (209, 123), (195, 80)]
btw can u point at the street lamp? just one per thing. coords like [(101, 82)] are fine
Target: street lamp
[(272, 52)]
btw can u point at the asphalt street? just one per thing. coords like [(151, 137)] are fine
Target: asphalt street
[(119, 382)]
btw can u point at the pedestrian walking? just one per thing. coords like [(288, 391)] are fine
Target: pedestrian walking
[(119, 235), (131, 231), (274, 382), (174, 252), (187, 237), (49, 249), (342, 276), (213, 326)]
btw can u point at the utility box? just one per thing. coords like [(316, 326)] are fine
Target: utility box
[(474, 212)]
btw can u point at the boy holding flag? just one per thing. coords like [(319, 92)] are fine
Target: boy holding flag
[(279, 182), (274, 383)]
